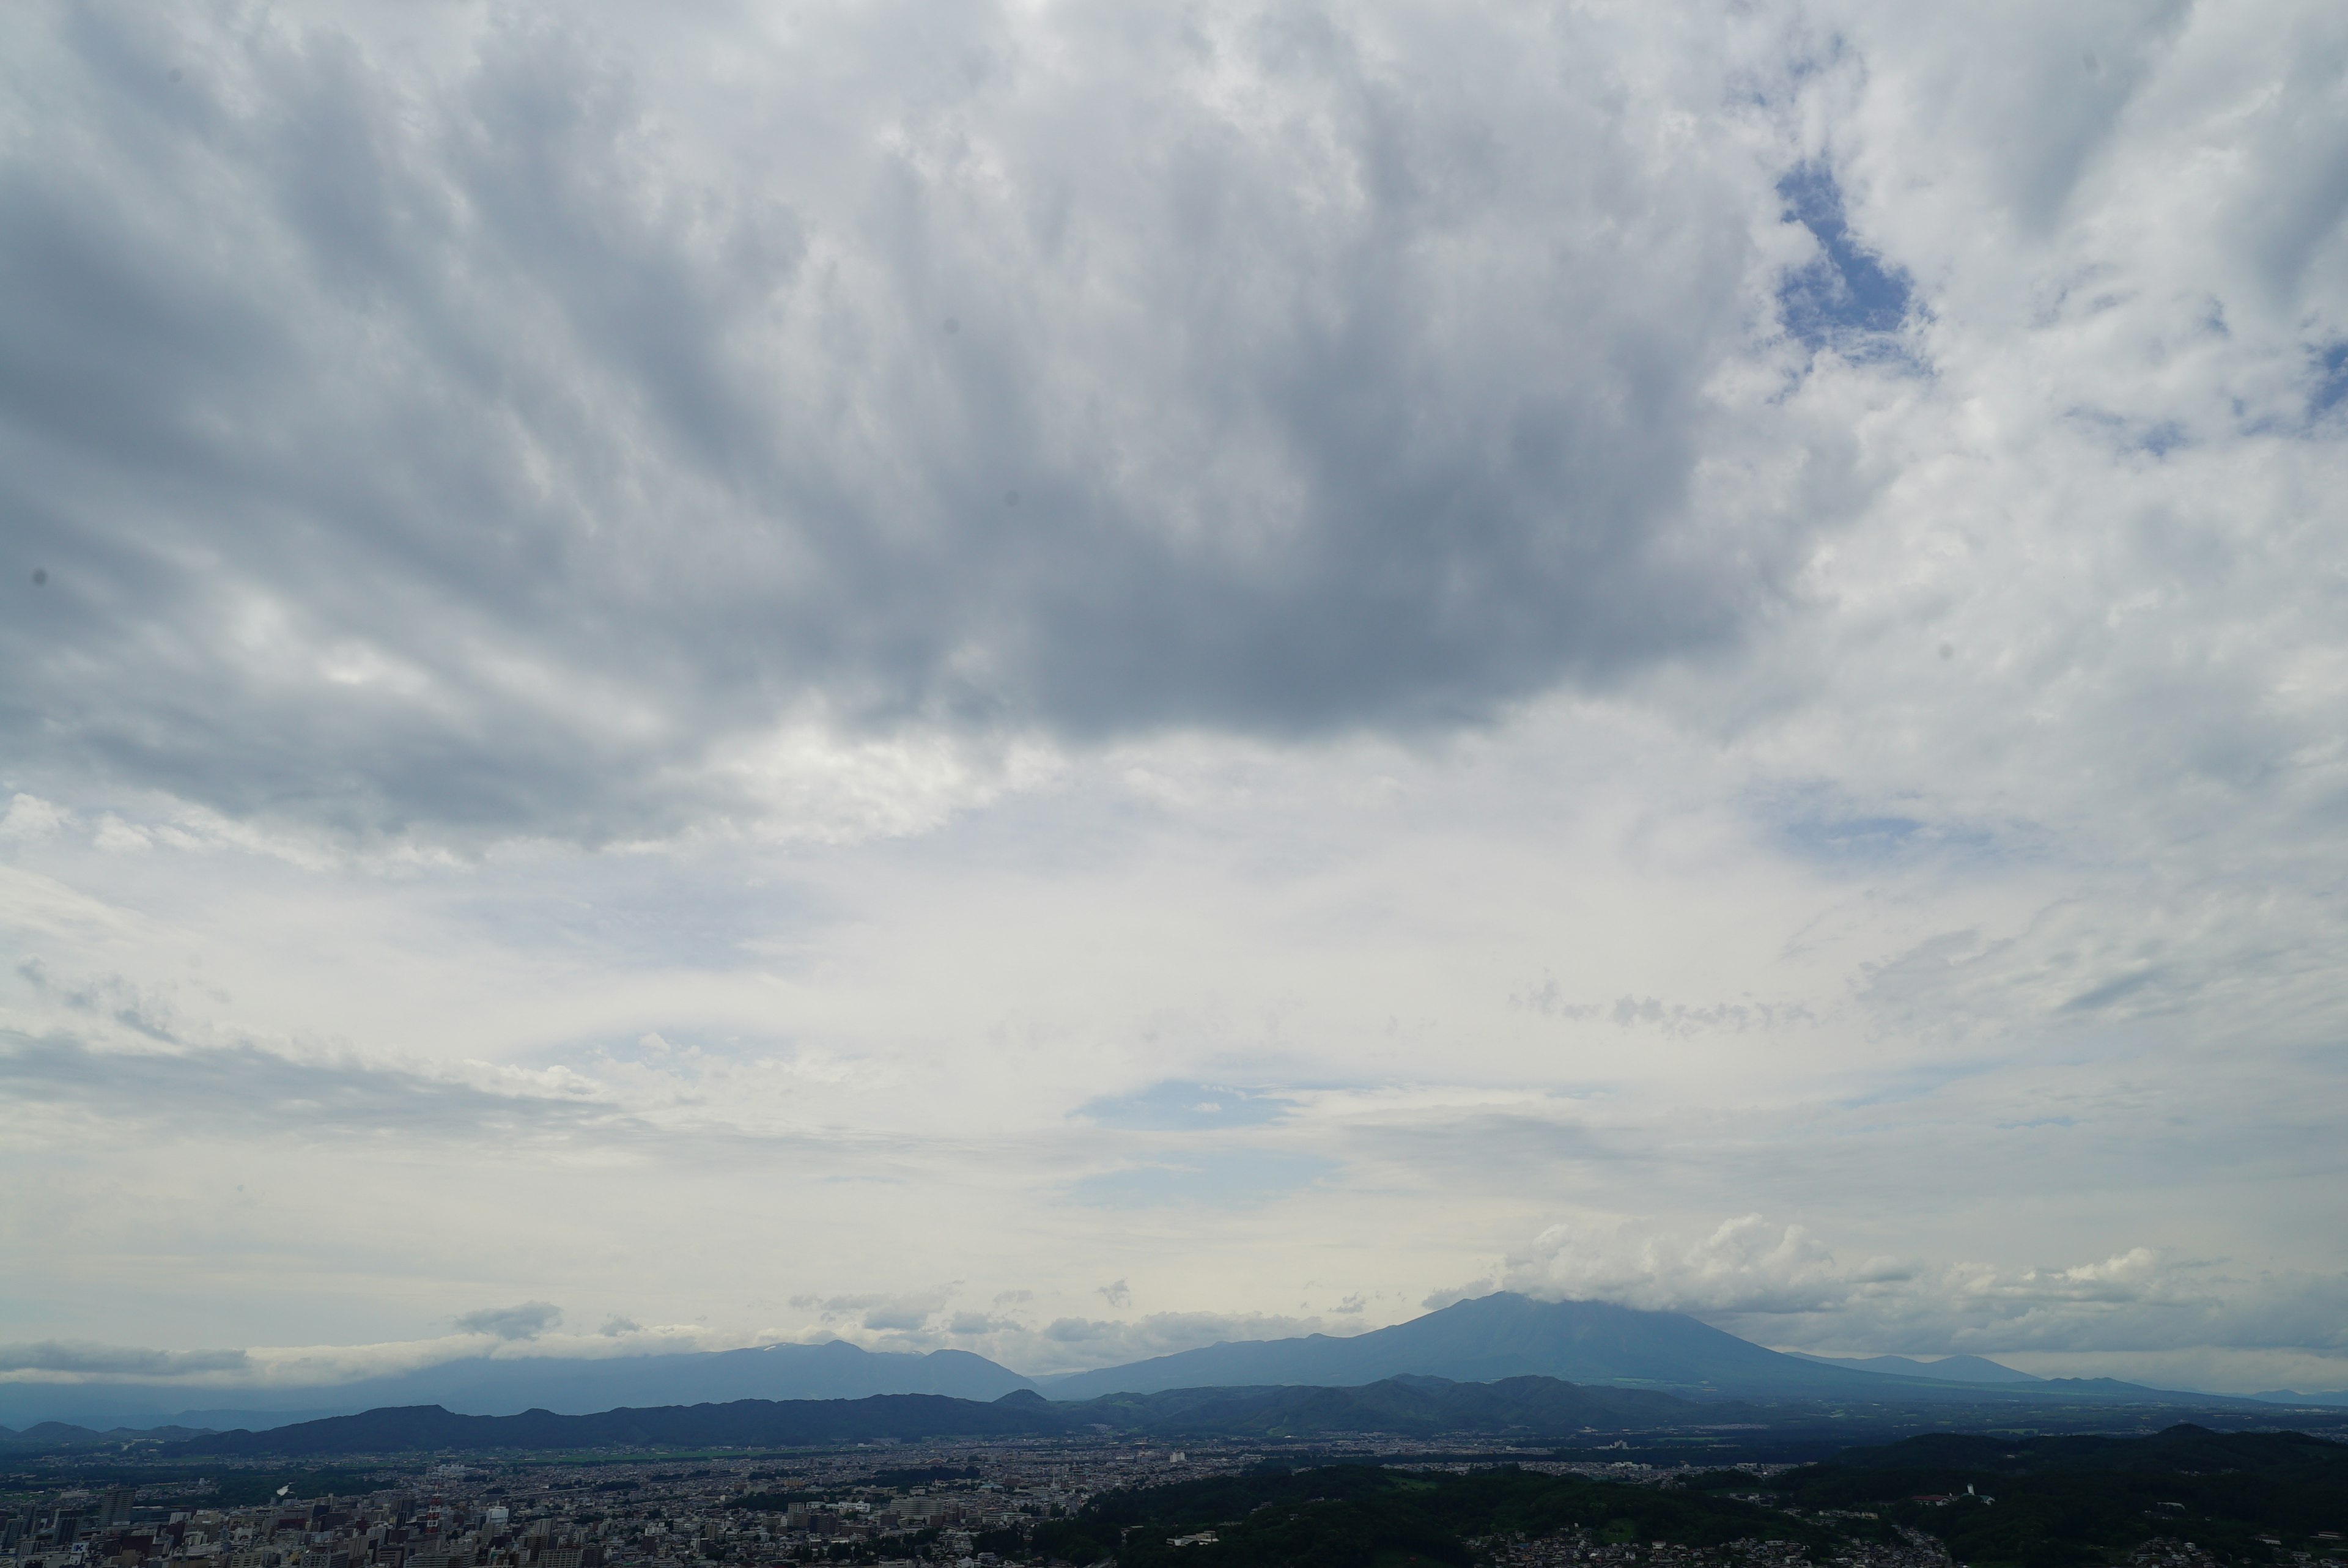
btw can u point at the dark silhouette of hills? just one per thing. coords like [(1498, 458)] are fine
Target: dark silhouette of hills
[(833, 1370), (1535, 1408), (1404, 1407), (51, 1436), (749, 1423), (1413, 1407), (2292, 1397)]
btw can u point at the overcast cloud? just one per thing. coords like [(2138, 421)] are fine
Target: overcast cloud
[(1120, 674)]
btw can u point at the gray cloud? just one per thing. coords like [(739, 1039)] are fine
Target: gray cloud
[(1234, 1178), (1068, 1343), (1164, 1107), (245, 1086), (519, 455), (1783, 1284), (903, 1314), (525, 1321), (110, 996), (115, 1360)]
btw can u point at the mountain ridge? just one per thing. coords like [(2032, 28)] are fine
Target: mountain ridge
[(1421, 1406), (1504, 1335)]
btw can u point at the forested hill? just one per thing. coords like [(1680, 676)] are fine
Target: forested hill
[(2252, 1498), (2050, 1503), (1412, 1406), (1536, 1408), (1352, 1516), (746, 1423), (2183, 1449)]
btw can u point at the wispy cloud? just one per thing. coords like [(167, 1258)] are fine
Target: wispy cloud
[(117, 1360), (1782, 1284)]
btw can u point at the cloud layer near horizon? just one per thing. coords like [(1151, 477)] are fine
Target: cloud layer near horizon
[(1202, 664)]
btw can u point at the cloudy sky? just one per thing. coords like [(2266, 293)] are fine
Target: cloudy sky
[(1069, 678)]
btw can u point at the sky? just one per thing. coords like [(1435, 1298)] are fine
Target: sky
[(1073, 678)]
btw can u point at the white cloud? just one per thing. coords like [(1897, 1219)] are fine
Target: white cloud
[(1745, 1266), (80, 1360), (1781, 1284), (30, 816)]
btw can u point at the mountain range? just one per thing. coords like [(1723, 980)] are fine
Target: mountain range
[(1421, 1406), (1587, 1342), (1524, 1409), (52, 1437), (1591, 1343), (1407, 1405)]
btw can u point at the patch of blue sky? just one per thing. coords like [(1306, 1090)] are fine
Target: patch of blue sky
[(1844, 837), (1176, 1107), (1232, 1179), (2331, 365), (1815, 823), (1905, 1086), (644, 913), (2157, 439), (1846, 298), (2112, 990)]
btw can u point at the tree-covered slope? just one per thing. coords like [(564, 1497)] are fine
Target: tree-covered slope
[(1353, 1516), (1409, 1407), (2050, 1503)]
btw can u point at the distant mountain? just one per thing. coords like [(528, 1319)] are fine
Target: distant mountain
[(1409, 1407), (1947, 1370), (833, 1370), (2286, 1397), (52, 1436), (749, 1423), (2136, 1393), (508, 1385), (1501, 1336), (1403, 1407), (1584, 1342), (1528, 1406)]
